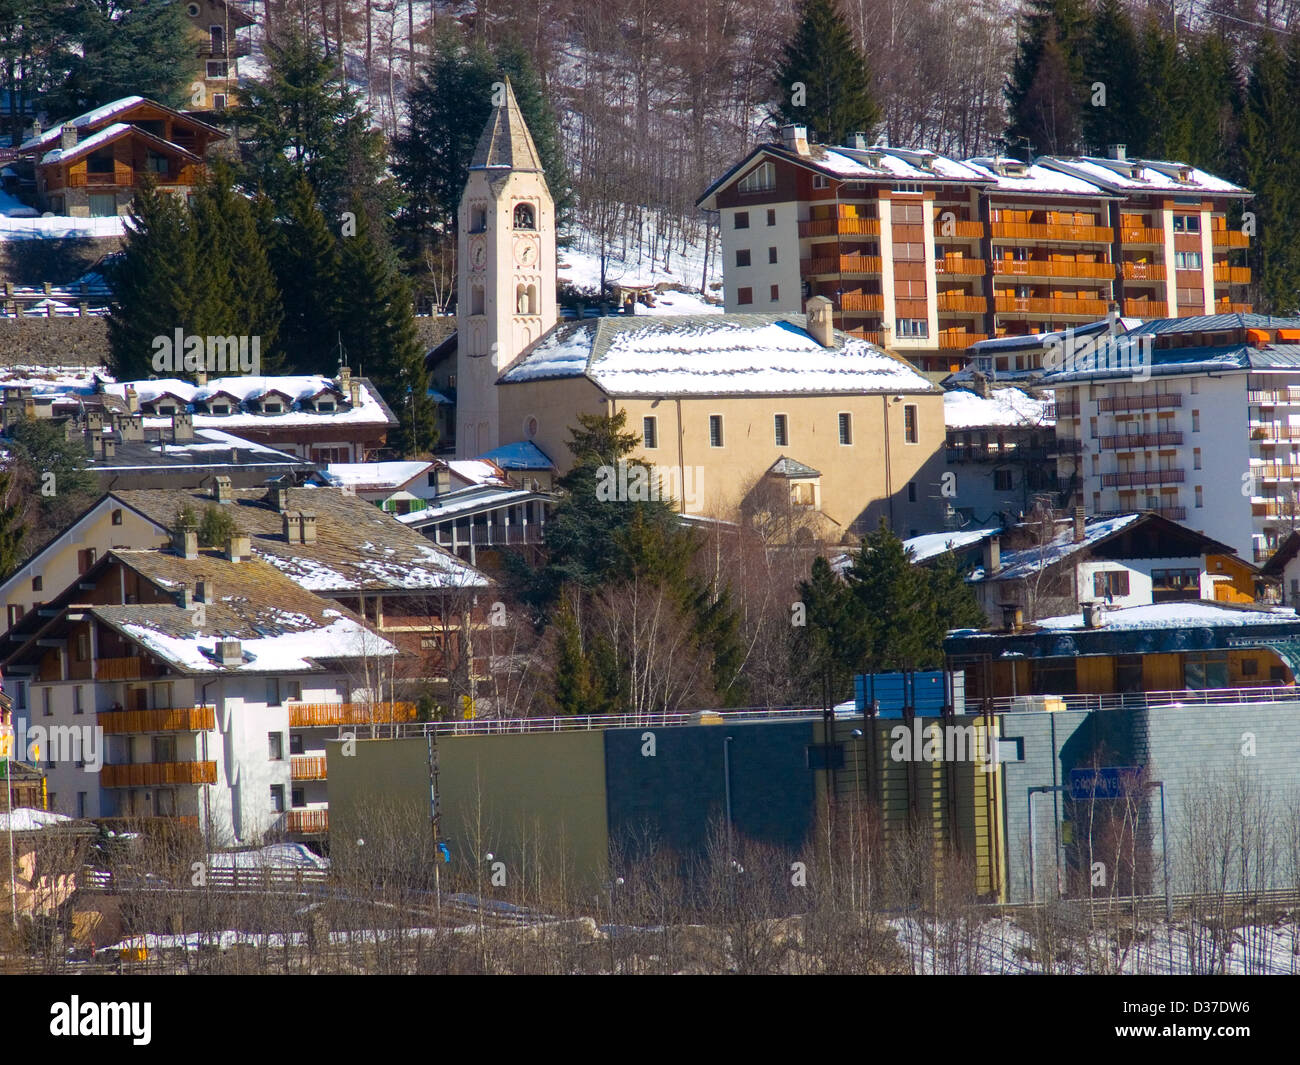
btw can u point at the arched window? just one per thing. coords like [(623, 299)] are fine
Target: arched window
[(524, 217), (532, 299)]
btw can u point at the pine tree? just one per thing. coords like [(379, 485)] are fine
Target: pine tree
[(894, 604), (124, 49), (1212, 104), (1160, 110), (833, 643), (379, 336), (1046, 87), (1112, 60), (305, 259), (13, 527), (955, 605), (153, 283), (823, 81)]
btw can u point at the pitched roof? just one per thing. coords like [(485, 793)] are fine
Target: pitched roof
[(711, 354), (505, 140), (792, 468), (106, 113), (520, 455), (106, 136)]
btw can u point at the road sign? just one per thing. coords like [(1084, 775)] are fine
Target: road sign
[(1108, 782)]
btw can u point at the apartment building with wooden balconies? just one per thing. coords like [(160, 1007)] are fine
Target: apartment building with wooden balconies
[(1211, 438), (929, 255)]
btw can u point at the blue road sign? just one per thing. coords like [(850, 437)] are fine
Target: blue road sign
[(1108, 782)]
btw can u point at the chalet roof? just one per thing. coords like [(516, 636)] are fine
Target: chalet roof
[(505, 140), (116, 110), (1286, 551), (1144, 175), (108, 135), (358, 547)]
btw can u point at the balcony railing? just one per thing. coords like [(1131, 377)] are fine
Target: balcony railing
[(1065, 445), (1143, 271), (961, 302), (1132, 441), (862, 301), (959, 338), (1031, 305), (123, 668), (314, 715), (1037, 231), (1141, 235), (307, 822), (959, 266), (152, 774), (1275, 510), (842, 227), (1156, 401), (231, 50), (1232, 275), (1230, 238), (867, 335), (1139, 478), (957, 230), (307, 767), (1172, 513), (1063, 408), (1277, 471), (169, 719), (1224, 307), (1275, 432), (1146, 309), (1052, 268), (844, 264)]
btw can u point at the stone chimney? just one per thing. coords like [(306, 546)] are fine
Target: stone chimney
[(857, 141), (185, 597), (201, 375), (95, 420), (354, 393), (182, 427), (238, 548), (278, 497), (1093, 615), (186, 542), (221, 490), (202, 589), (67, 136), (307, 527), (795, 139), (992, 555), (1080, 525), (107, 447), (979, 384), (821, 322), (229, 653), (292, 522), (1118, 152), (441, 479), (131, 427), (345, 379), (132, 400)]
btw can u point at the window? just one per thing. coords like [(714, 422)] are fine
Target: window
[(912, 327), (820, 181), (81, 804), (275, 746), (117, 516), (46, 710), (1196, 458), (1200, 499), (217, 69), (780, 430), (298, 796), (1187, 260), (293, 690), (1002, 481), (1249, 667), (742, 219), (744, 296), (20, 696), (524, 217), (1207, 669), (272, 692), (715, 430), (295, 743), (774, 293), (742, 256), (218, 101), (771, 217), (38, 584), (909, 251), (164, 749), (476, 299), (15, 614), (102, 205), (1110, 584), (78, 699), (1187, 223), (910, 432), (277, 798), (771, 255), (1195, 386), (846, 429), (1175, 584), (649, 435), (100, 163), (760, 179), (1196, 421), (911, 491)]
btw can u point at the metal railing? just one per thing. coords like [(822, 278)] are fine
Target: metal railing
[(1145, 700)]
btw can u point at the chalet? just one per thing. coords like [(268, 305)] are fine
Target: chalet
[(92, 165)]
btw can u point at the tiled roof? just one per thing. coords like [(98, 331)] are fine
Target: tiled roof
[(505, 141)]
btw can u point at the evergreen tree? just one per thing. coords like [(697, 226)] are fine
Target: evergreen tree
[(833, 643), (955, 605), (153, 282), (38, 47), (1212, 105), (305, 258), (1112, 59), (894, 605), (823, 58), (50, 470), (1046, 87), (13, 527), (1159, 113), (127, 49), (379, 337)]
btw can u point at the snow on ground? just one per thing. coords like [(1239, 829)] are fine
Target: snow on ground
[(55, 380), (25, 819), (580, 266), (1004, 406), (57, 227), (275, 856)]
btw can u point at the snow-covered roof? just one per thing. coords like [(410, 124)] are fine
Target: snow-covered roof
[(931, 545), (1025, 562), (476, 471), (1191, 612), (106, 136), (725, 354), (1015, 176), (26, 819), (376, 475), (1143, 175), (1003, 407), (92, 117), (519, 455)]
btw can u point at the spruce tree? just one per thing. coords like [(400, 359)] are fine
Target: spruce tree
[(13, 526), (823, 81), (1112, 60), (1046, 88), (894, 604), (1212, 103), (955, 605), (833, 643), (305, 258), (1160, 115), (126, 49)]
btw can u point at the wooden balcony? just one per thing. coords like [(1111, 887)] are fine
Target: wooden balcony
[(1275, 432), (862, 301), (844, 264), (1231, 275), (959, 266), (1064, 409), (1037, 231), (169, 719), (840, 227), (959, 339), (307, 767), (1141, 478), (1143, 271), (1141, 235), (1156, 401), (1146, 309), (1135, 441), (1273, 397), (307, 822), (961, 302), (1275, 510), (957, 230), (1230, 238), (1052, 268), (316, 715), (153, 774), (124, 668), (1224, 307), (867, 335), (1277, 471), (1091, 308), (1172, 513)]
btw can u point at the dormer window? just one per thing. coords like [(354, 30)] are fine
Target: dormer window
[(524, 217), (760, 179), (325, 405), (167, 409), (220, 408), (272, 407)]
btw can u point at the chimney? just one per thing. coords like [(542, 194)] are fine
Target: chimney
[(202, 590), (1118, 152), (979, 384), (442, 479), (95, 420), (821, 321), (107, 447), (1013, 618), (1080, 525), (37, 128), (201, 376), (354, 393), (992, 555), (131, 427), (345, 379), (185, 597), (221, 488), (67, 136), (182, 427), (186, 542), (132, 400), (238, 548), (857, 141), (293, 527), (1093, 615), (229, 653), (307, 527), (278, 497), (795, 139)]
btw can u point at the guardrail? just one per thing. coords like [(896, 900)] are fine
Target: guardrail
[(1146, 700)]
